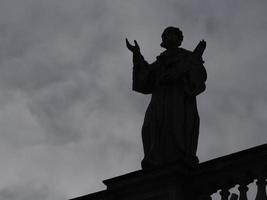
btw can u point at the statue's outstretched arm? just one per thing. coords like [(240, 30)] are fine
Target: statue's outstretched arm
[(138, 59), (135, 49), (143, 79)]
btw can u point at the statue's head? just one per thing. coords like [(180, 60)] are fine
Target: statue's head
[(171, 37)]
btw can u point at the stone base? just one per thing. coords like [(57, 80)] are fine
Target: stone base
[(165, 183)]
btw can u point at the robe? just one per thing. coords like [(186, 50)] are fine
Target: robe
[(171, 124)]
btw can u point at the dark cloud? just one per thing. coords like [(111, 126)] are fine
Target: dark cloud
[(67, 114), (24, 192)]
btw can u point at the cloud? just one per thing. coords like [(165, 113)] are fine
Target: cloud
[(67, 113), (24, 192)]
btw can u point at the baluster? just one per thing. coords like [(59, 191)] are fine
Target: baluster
[(224, 194), (234, 196), (243, 188), (261, 191)]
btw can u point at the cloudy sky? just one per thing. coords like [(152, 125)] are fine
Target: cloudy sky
[(68, 117)]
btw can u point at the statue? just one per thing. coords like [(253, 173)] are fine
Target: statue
[(171, 124)]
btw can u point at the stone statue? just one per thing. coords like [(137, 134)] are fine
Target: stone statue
[(171, 124)]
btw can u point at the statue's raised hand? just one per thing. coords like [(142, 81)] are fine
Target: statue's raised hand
[(135, 49), (203, 44)]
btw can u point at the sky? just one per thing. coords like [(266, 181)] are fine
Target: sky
[(68, 117)]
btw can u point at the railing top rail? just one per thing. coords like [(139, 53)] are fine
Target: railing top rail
[(235, 159), (97, 195)]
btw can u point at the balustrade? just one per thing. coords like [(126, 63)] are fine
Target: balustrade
[(238, 169), (218, 176)]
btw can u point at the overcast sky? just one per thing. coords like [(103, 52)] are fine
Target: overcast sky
[(68, 117)]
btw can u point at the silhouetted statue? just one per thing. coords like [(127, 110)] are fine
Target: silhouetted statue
[(171, 125)]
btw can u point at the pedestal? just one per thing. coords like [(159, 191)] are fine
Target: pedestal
[(167, 183)]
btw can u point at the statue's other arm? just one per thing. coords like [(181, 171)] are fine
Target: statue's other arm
[(199, 75), (197, 78), (195, 72)]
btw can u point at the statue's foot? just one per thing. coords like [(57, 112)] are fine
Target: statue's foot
[(193, 160), (146, 165)]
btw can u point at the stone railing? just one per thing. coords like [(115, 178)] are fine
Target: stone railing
[(224, 173), (179, 182), (102, 195)]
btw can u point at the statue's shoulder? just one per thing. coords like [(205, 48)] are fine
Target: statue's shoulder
[(161, 56), (180, 52), (185, 52), (164, 53)]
